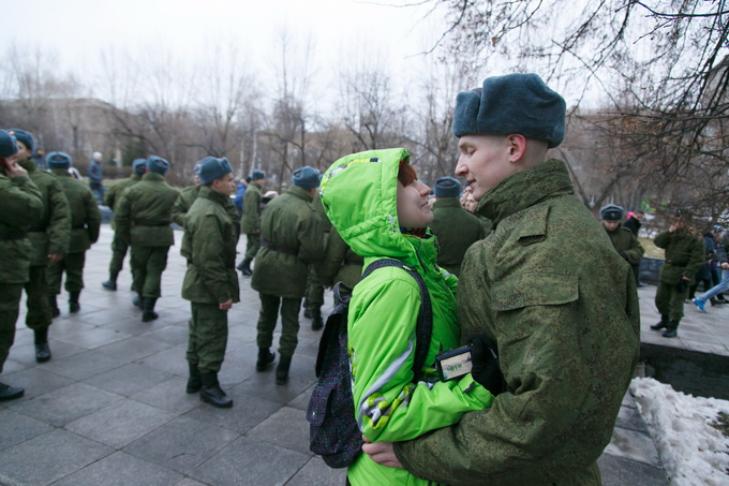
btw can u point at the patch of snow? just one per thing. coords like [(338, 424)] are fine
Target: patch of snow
[(692, 451)]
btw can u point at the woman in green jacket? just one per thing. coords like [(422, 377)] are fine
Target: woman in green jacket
[(380, 209)]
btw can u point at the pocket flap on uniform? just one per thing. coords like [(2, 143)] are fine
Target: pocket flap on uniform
[(534, 289)]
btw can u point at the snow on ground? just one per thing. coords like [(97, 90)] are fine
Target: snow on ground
[(693, 451)]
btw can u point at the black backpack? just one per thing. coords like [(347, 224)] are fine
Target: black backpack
[(333, 430)]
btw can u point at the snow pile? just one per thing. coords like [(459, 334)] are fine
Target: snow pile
[(692, 450)]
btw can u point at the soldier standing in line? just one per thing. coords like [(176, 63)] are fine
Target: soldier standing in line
[(143, 220), (49, 236), (250, 222), (684, 257), (623, 239), (85, 224), (340, 263), (211, 283), (291, 239), (455, 228), (22, 204), (118, 246), (314, 298)]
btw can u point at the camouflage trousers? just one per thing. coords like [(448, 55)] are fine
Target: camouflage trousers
[(669, 300), (253, 243), (148, 263), (73, 265), (314, 290), (39, 310), (208, 337), (9, 307), (289, 322), (118, 251)]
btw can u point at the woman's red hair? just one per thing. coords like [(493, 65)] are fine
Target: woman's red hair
[(406, 174)]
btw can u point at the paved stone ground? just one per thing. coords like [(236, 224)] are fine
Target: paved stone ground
[(110, 408)]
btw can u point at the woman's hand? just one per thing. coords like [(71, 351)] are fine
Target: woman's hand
[(382, 453)]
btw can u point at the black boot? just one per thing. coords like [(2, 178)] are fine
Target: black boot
[(282, 370), (55, 311), (662, 324), (265, 358), (73, 305), (8, 392), (212, 393), (42, 350), (111, 283), (671, 329), (137, 301), (316, 321), (148, 307), (245, 267), (193, 381)]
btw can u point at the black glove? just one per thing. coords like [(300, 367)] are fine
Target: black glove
[(485, 362)]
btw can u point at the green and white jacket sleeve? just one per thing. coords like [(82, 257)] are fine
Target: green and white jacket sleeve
[(381, 333)]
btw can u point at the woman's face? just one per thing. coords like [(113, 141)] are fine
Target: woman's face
[(413, 210)]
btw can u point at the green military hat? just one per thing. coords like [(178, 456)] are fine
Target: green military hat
[(612, 212)]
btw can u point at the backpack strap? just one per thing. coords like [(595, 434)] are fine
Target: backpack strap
[(424, 328)]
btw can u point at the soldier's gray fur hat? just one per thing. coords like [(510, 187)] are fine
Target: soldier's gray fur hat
[(157, 164), (25, 137), (258, 175), (8, 144), (212, 168), (58, 160), (447, 187), (612, 212), (511, 104), (306, 177)]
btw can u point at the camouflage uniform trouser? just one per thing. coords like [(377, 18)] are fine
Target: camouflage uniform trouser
[(289, 322), (39, 310), (208, 337), (118, 251), (253, 243), (73, 265), (9, 307), (669, 301), (314, 290), (148, 263)]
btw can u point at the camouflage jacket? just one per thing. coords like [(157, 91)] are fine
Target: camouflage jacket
[(626, 244), (85, 214), (684, 255), (250, 222), (185, 201), (21, 205), (567, 341), (144, 213)]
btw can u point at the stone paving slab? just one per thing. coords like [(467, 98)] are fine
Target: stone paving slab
[(111, 407)]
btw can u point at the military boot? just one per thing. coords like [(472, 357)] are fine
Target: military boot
[(671, 330), (55, 311), (662, 324), (193, 381), (265, 358), (148, 307), (111, 283), (8, 392), (73, 305), (282, 370), (245, 267), (42, 350), (212, 393), (316, 320)]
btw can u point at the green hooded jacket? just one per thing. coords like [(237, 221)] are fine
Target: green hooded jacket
[(684, 255), (208, 245), (550, 290), (359, 193), (626, 244), (456, 230), (250, 221), (85, 214), (49, 234), (22, 203), (145, 212), (292, 237)]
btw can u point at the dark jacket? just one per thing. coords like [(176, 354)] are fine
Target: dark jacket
[(684, 255), (22, 204), (85, 214), (145, 212), (456, 230)]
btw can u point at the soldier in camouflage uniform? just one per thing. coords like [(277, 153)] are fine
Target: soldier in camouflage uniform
[(340, 263), (143, 220), (211, 282), (85, 224), (49, 236), (22, 204), (314, 298), (567, 341), (623, 239), (684, 256), (250, 222), (113, 196), (455, 228), (291, 239)]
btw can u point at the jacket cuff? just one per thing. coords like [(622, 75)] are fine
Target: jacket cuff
[(470, 386), (400, 449)]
